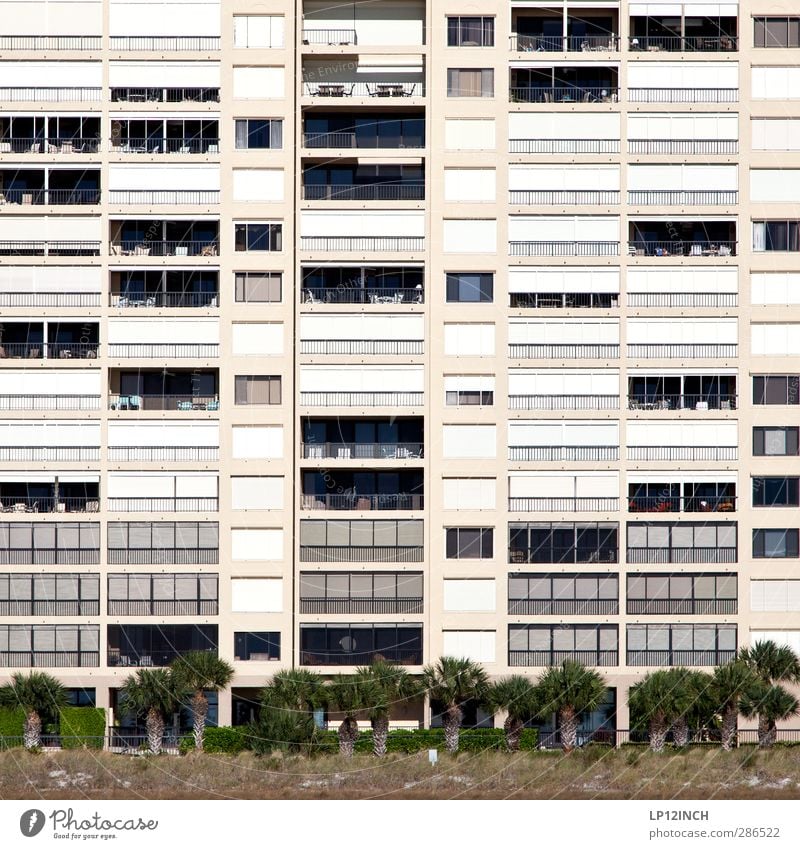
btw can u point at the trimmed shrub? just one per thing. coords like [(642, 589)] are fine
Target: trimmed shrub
[(12, 721), (407, 742), (225, 740), (82, 727)]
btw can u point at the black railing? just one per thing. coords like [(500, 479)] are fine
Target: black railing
[(683, 147), (563, 606), (165, 95), (409, 657), (163, 607), (50, 42), (361, 399), (683, 606), (350, 139), (362, 450), (563, 402), (682, 197), (137, 247), (564, 94), (361, 553), (688, 657), (368, 191), (48, 504), (165, 145), (171, 300), (164, 42), (163, 556), (563, 555), (166, 505), (361, 605), (677, 504), (669, 351), (682, 402), (683, 95), (183, 403), (179, 350), (560, 505), (49, 299), (563, 300), (550, 248), (54, 607), (49, 556), (563, 44), (49, 453), (162, 453), (683, 299), (678, 247), (143, 657), (563, 146), (328, 36), (50, 94), (555, 658), (685, 43), (329, 244), (167, 197), (48, 248), (570, 197), (54, 197), (41, 659), (72, 350), (353, 501), (49, 402), (698, 554), (349, 295), (363, 347), (50, 145), (530, 351)]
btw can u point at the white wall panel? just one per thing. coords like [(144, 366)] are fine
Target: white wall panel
[(469, 134), (563, 125), (470, 236), (257, 544), (699, 126), (48, 74), (568, 279), (49, 382), (563, 382), (775, 133), (163, 331), (776, 83), (777, 340), (163, 177), (775, 596), (362, 326), (361, 378), (563, 228), (683, 75), (775, 185), (687, 331), (258, 83), (257, 442), (51, 434), (686, 177), (678, 434), (472, 595), (155, 17), (475, 645), (683, 279), (258, 184), (775, 287), (470, 184), (133, 74), (314, 222), (572, 433), (563, 331), (257, 493), (160, 433), (469, 340), (259, 31), (256, 595), (781, 638), (56, 17), (469, 493), (469, 441), (50, 278), (264, 339), (563, 177)]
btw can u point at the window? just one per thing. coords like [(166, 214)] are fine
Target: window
[(470, 32), (361, 540), (682, 542), (469, 398), (258, 31), (549, 645), (469, 543), (470, 288), (470, 82), (259, 134), (776, 542), (775, 441), (680, 645), (361, 592), (562, 593), (80, 696), (163, 594), (262, 287), (776, 390), (62, 543), (49, 593), (776, 32), (257, 389), (562, 542), (343, 644), (775, 492), (776, 236), (178, 543), (258, 237), (257, 645)]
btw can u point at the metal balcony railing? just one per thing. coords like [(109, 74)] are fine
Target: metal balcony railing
[(362, 347), (53, 607), (728, 554), (563, 402), (568, 555), (179, 350), (157, 43), (370, 191), (36, 43), (555, 658), (48, 504), (564, 94), (183, 403), (563, 607), (686, 43), (328, 36), (162, 453), (165, 145), (163, 556), (165, 95), (399, 655), (682, 197), (48, 453), (170, 300), (152, 247), (353, 501), (166, 505), (684, 147), (367, 606), (529, 197), (563, 146), (678, 504), (563, 248), (165, 607), (608, 43), (50, 94), (52, 197), (49, 248), (43, 659), (350, 295), (361, 553), (51, 145), (362, 243), (683, 299), (682, 452), (561, 505), (141, 657), (49, 556), (563, 453), (164, 196), (49, 299), (683, 95), (362, 450), (347, 140), (700, 403), (678, 247), (710, 657), (563, 300), (361, 89), (666, 351), (49, 402), (361, 399), (682, 606), (529, 351)]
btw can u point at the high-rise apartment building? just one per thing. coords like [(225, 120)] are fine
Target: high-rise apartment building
[(397, 327)]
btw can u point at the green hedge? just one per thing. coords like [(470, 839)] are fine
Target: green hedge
[(12, 722), (406, 742), (82, 727), (223, 740)]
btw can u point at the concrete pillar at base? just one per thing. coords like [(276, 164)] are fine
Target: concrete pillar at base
[(224, 708), (623, 712)]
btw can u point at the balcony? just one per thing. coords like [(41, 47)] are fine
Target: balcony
[(364, 191), (547, 658), (347, 489), (164, 238), (330, 37), (684, 147), (682, 392), (691, 34), (164, 288), (163, 505), (576, 146), (21, 144), (574, 248), (152, 607), (563, 402), (163, 543), (178, 390), (666, 351), (344, 181), (535, 197), (21, 498), (563, 453), (682, 197), (365, 606), (361, 399), (360, 644), (185, 402), (51, 659), (351, 501), (162, 454), (42, 401), (373, 295), (677, 300), (155, 144), (50, 94), (157, 645), (398, 130), (715, 453), (676, 504), (683, 95), (550, 31), (562, 505), (36, 43), (165, 43), (60, 247), (682, 607), (563, 300), (362, 451), (163, 197), (165, 95), (50, 607), (363, 347), (530, 351), (682, 554), (578, 93), (688, 657), (378, 244), (49, 454), (603, 43), (362, 439), (361, 553), (49, 340), (562, 607), (49, 187), (158, 350), (352, 89), (361, 541), (696, 239), (49, 299)]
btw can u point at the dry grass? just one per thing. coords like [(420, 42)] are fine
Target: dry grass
[(598, 774)]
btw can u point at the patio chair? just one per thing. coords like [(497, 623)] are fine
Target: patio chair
[(213, 406), (185, 406)]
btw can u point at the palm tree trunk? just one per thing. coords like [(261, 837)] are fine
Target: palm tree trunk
[(767, 734), (513, 727), (568, 721), (380, 733), (199, 715), (658, 733), (680, 732), (730, 723), (155, 730), (451, 721), (348, 734), (32, 732)]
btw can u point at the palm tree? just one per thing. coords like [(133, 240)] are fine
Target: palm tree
[(451, 681), (516, 695), (286, 719), (153, 694), (385, 685), (39, 695), (771, 664), (654, 703), (294, 689), (348, 693), (729, 683), (771, 703), (689, 701), (568, 690), (196, 672)]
